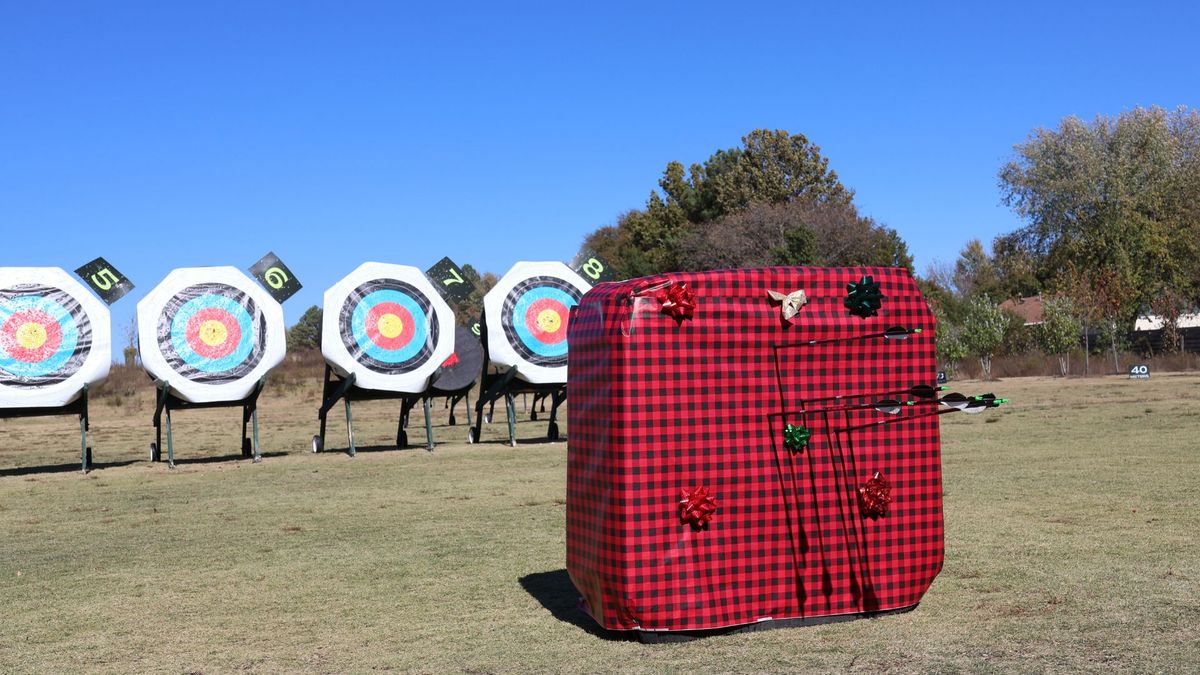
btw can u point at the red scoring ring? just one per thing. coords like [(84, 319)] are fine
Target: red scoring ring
[(537, 307), (406, 332), (233, 333), (8, 336)]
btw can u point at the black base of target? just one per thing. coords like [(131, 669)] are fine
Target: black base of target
[(338, 388), (165, 402), (505, 385), (77, 407)]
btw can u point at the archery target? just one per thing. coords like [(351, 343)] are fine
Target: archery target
[(526, 316), (54, 338), (463, 367), (388, 326), (210, 332)]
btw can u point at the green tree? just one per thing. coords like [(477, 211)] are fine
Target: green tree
[(770, 168), (1111, 205), (1059, 331), (975, 273), (306, 333), (469, 310), (983, 330)]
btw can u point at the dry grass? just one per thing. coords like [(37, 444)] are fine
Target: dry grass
[(1070, 546)]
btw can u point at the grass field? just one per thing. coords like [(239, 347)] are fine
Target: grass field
[(1070, 545)]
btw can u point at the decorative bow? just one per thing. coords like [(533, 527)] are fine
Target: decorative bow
[(874, 496), (677, 301), (795, 436), (863, 298), (696, 507), (790, 302)]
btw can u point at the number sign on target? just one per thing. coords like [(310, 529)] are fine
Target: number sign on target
[(526, 316), (275, 277)]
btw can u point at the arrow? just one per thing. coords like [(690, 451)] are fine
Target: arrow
[(898, 333), (917, 391), (969, 404)]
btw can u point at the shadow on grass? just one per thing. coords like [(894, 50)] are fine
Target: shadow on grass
[(219, 458), (558, 595), (62, 468)]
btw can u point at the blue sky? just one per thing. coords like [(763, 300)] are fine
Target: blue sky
[(165, 135)]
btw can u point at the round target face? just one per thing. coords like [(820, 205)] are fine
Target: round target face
[(212, 333), (389, 326), (535, 319), (54, 338), (526, 316), (45, 336)]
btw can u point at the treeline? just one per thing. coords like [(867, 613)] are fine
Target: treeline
[(1112, 230), (772, 201)]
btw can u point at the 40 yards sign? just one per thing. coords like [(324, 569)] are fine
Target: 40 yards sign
[(210, 332), (388, 326), (526, 315), (54, 338)]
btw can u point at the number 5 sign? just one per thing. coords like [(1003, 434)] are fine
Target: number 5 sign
[(275, 277), (108, 283)]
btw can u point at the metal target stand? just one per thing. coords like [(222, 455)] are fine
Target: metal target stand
[(165, 402), (495, 386), (343, 388), (77, 407)]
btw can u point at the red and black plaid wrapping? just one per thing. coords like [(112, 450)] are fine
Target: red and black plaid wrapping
[(659, 407)]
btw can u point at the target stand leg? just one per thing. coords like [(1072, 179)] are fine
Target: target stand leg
[(428, 427), (257, 447), (170, 441), (350, 429), (510, 408), (84, 452)]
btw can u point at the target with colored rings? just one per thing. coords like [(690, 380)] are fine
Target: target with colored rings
[(525, 316), (534, 317), (55, 337), (45, 335), (212, 333), (389, 326)]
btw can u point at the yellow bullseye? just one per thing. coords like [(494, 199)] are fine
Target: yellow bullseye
[(549, 321), (390, 326), (213, 333), (31, 335)]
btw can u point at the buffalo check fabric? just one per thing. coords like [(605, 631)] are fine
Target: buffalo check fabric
[(662, 407)]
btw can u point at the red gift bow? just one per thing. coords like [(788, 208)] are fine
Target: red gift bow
[(677, 301), (874, 496), (696, 507)]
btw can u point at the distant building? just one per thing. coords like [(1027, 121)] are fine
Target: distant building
[(1029, 309), (1148, 333)]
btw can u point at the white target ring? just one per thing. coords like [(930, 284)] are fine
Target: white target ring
[(55, 337), (388, 326), (211, 333), (526, 315)]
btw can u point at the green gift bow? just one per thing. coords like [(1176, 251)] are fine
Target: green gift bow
[(795, 436), (863, 298)]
